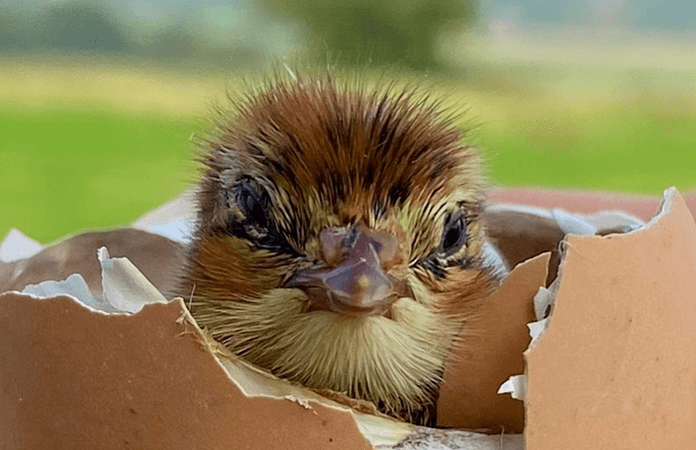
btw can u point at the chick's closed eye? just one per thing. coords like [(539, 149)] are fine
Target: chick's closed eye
[(455, 234), (252, 221), (250, 203), (338, 243)]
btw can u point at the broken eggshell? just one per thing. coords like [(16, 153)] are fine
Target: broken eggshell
[(615, 366), (154, 380)]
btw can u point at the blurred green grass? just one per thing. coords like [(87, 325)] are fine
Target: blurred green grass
[(631, 150), (86, 145), (64, 171)]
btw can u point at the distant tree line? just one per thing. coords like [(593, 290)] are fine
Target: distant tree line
[(79, 26), (401, 33), (93, 27)]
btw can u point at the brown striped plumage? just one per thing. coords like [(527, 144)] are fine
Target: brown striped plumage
[(301, 156)]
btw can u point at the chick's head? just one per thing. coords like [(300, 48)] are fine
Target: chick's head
[(338, 240)]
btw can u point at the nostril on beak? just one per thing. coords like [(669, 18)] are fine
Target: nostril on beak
[(339, 244), (385, 245), (349, 241), (333, 244)]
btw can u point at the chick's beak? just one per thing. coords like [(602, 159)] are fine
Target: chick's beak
[(356, 282)]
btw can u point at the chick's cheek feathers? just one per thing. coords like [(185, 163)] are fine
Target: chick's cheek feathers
[(228, 268)]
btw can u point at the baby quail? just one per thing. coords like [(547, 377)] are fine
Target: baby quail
[(338, 241)]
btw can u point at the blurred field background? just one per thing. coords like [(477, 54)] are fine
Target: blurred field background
[(98, 103)]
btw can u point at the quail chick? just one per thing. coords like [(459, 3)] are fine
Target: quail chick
[(338, 241)]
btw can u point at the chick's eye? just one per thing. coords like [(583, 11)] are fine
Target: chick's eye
[(251, 204), (454, 236)]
